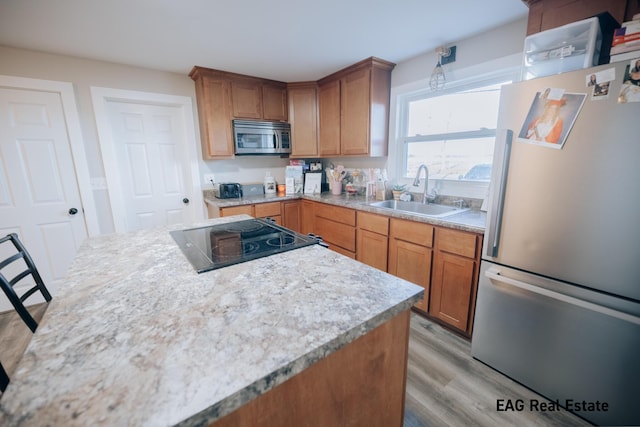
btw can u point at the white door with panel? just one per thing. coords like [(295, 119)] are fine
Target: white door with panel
[(39, 194), (151, 161)]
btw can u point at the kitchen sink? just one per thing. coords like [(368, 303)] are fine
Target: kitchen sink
[(417, 208)]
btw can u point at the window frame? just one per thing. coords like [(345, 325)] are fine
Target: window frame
[(506, 76)]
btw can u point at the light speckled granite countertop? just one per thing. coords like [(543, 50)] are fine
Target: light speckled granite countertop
[(470, 220), (136, 337)]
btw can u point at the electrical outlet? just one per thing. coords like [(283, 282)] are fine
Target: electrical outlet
[(209, 179)]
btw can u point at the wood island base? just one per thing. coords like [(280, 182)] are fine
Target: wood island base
[(362, 384)]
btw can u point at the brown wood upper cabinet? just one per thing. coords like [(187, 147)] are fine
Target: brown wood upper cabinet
[(353, 110), (223, 96), (547, 14), (274, 101), (213, 97), (303, 115), (254, 98), (343, 114), (329, 118), (246, 98)]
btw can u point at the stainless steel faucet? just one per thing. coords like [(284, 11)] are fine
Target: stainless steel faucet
[(416, 182)]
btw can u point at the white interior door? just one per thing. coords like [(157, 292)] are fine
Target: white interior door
[(38, 188), (149, 160), (148, 149)]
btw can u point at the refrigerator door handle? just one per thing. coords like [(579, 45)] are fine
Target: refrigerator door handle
[(504, 138), (493, 274)]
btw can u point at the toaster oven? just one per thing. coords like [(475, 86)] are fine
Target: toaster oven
[(229, 191)]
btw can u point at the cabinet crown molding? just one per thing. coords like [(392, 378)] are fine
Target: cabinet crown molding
[(198, 71), (371, 62)]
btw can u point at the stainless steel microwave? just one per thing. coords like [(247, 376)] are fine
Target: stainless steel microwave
[(254, 137)]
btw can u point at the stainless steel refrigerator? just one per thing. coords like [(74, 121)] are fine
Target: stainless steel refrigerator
[(558, 306)]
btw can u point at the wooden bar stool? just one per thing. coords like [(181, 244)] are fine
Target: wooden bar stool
[(4, 379), (8, 283)]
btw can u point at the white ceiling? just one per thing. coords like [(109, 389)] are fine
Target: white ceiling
[(287, 40)]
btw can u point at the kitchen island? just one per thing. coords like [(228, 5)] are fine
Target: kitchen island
[(136, 337)]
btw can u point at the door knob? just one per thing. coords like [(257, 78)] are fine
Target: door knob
[(185, 201), (73, 211)]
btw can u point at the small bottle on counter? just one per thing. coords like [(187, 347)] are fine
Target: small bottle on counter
[(381, 190), (269, 184)]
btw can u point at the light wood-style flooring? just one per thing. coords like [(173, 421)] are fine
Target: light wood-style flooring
[(445, 385), (15, 335)]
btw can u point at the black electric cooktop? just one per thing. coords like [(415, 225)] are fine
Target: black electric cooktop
[(216, 246)]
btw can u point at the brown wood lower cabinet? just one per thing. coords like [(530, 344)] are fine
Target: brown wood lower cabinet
[(306, 216), (236, 210), (444, 261), (291, 215), (259, 210), (411, 254), (336, 225), (340, 237), (455, 277), (362, 384), (372, 249), (372, 240), (271, 210), (451, 289), (286, 213)]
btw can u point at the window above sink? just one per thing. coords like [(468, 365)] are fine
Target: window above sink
[(451, 131)]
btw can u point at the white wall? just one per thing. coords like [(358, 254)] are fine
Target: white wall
[(481, 53), (485, 47), (83, 74)]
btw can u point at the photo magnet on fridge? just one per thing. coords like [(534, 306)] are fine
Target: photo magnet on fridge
[(630, 90), (551, 118)]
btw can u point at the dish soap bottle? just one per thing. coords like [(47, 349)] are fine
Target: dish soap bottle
[(269, 184)]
